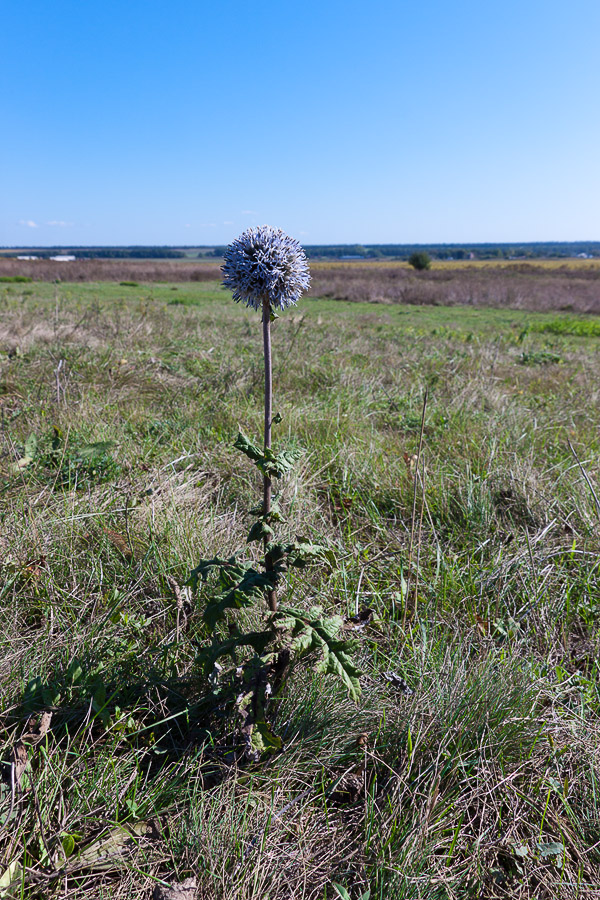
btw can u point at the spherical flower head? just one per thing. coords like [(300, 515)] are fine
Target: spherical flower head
[(266, 264)]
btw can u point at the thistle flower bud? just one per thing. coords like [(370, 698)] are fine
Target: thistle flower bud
[(266, 264)]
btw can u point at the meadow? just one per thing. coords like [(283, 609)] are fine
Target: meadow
[(539, 285), (451, 465)]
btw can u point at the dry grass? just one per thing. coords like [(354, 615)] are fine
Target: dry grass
[(481, 784), (512, 285)]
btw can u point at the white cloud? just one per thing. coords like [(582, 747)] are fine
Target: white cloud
[(228, 223), (60, 223), (29, 223), (187, 225)]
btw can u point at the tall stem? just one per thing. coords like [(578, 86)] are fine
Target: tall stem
[(267, 484)]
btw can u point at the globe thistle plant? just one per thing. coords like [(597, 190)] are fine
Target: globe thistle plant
[(267, 270), (266, 265)]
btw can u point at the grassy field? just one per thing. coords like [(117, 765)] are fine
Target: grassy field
[(537, 286), (476, 745)]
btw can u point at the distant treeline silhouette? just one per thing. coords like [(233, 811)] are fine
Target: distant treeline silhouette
[(530, 250)]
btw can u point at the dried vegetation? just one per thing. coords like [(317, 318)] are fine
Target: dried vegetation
[(468, 571)]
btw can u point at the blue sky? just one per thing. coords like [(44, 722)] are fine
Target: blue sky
[(184, 123)]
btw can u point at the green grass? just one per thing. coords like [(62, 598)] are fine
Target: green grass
[(119, 407)]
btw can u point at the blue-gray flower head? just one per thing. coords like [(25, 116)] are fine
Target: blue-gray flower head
[(265, 263)]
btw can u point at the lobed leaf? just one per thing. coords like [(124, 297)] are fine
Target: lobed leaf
[(311, 633)]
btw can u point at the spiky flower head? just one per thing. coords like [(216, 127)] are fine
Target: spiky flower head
[(265, 263)]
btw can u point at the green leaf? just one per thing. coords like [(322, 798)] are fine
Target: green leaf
[(298, 554), (301, 554), (249, 588), (277, 418), (274, 514), (277, 464), (209, 655), (343, 893), (10, 880), (112, 849), (90, 451), (274, 465), (313, 633), (246, 446), (553, 848), (259, 531), (206, 566), (68, 844)]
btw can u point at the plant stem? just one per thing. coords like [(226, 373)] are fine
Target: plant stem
[(413, 520), (267, 485)]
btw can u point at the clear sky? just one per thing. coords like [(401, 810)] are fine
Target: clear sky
[(391, 121)]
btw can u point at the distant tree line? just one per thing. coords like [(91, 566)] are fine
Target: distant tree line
[(107, 252), (133, 253), (533, 250)]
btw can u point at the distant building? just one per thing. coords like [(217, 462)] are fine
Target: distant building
[(62, 258), (27, 257)]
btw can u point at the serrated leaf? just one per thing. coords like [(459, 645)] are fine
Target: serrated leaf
[(251, 704), (297, 555), (274, 514), (303, 554), (310, 634), (274, 465), (277, 464)]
